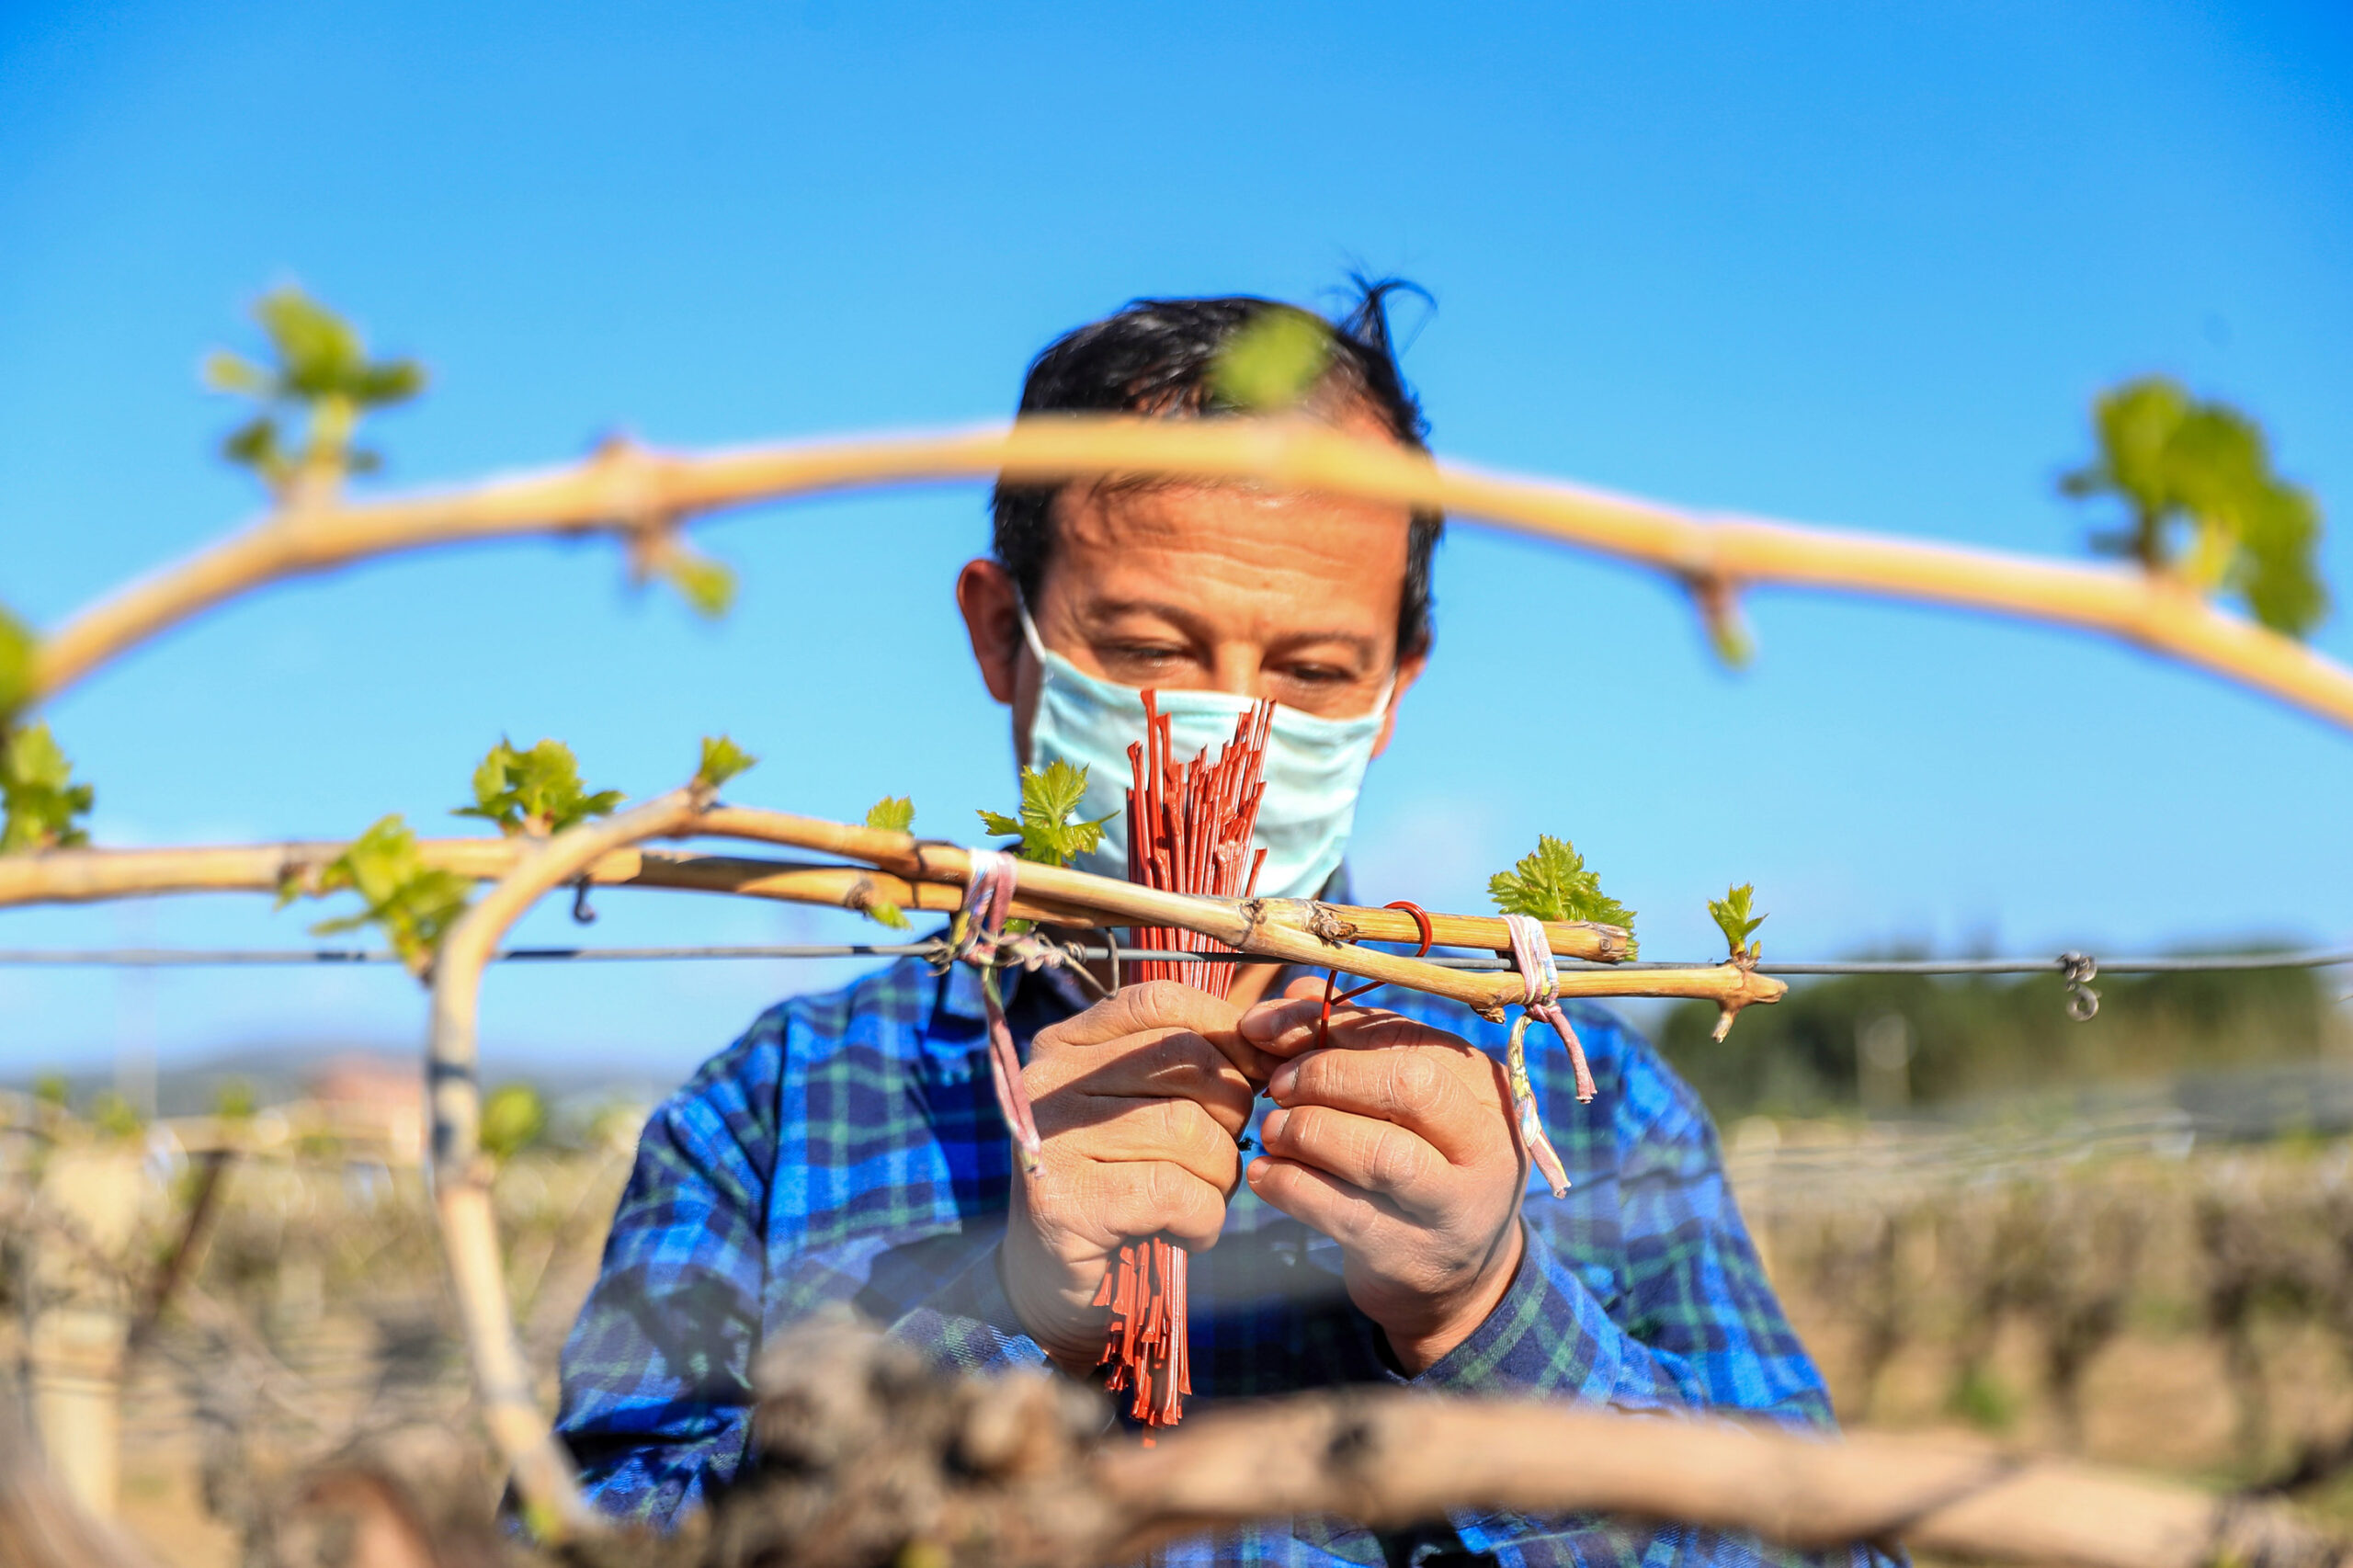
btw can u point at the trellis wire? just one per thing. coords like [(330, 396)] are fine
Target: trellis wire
[(178, 958)]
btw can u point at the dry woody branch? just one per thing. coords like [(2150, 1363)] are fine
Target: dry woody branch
[(642, 496)]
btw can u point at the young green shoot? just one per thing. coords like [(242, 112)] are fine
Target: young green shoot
[(706, 585), (43, 805), (415, 904), (514, 1117), (1050, 801), (1273, 362), (1731, 914), (318, 378), (536, 793), (891, 813), (722, 759), (18, 644), (1551, 883), (2179, 463)]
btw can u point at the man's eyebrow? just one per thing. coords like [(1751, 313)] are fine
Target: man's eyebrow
[(1093, 615), (1357, 641)]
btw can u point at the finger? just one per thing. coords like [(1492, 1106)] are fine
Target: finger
[(1156, 1005), (1148, 1197), (1356, 1219), (1379, 1156), (1140, 1130), (1175, 1063), (1450, 1097), (1285, 1028)]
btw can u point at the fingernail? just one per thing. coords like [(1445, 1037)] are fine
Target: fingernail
[(1271, 1125), (1285, 1079)]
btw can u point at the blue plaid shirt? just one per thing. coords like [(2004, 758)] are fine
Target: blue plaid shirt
[(848, 1149)]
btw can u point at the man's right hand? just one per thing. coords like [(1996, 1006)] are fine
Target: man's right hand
[(1139, 1101)]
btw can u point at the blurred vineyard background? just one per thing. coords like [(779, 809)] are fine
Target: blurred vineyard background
[(2131, 1238)]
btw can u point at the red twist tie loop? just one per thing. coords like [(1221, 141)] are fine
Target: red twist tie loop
[(1332, 977)]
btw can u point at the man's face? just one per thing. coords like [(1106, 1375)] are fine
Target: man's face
[(1206, 587)]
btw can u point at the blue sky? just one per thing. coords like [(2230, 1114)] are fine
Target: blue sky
[(1863, 266)]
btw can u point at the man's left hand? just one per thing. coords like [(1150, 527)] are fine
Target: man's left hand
[(1395, 1140)]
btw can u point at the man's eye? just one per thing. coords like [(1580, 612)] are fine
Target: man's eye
[(1319, 675)]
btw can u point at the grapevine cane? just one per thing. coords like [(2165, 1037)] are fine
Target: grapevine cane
[(638, 494)]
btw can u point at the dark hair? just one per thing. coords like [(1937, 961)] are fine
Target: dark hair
[(1159, 357)]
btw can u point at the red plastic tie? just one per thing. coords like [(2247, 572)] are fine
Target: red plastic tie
[(1332, 977)]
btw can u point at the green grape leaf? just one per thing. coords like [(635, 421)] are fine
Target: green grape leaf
[(1551, 883), (318, 379), (514, 1117), (387, 381), (536, 791), (706, 585), (1731, 914), (1049, 798), (2279, 542), (255, 444), (722, 759), (415, 904), (319, 353), (2204, 503), (43, 804), (223, 371), (17, 646), (1272, 362), (891, 813)]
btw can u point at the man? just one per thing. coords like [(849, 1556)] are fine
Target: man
[(1370, 1219)]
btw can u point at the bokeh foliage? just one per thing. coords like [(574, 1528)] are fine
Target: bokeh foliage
[(1982, 1036), (308, 395), (2201, 501)]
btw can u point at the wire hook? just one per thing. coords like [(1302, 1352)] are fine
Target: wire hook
[(2078, 971), (581, 914)]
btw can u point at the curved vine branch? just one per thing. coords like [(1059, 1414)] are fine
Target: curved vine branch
[(85, 876), (1283, 929), (641, 495), (1396, 1459), (542, 1472), (462, 1177)]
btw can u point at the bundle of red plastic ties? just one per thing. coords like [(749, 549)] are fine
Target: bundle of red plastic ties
[(1189, 831)]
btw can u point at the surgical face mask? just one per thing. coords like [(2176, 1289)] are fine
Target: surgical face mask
[(1314, 767)]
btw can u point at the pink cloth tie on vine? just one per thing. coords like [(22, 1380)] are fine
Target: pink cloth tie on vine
[(988, 900), (1533, 955)]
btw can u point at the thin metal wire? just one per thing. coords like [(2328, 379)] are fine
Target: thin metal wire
[(174, 958), (191, 958)]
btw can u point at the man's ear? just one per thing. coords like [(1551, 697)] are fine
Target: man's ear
[(1409, 670), (984, 592)]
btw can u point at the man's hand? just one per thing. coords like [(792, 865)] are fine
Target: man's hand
[(1396, 1142), (1138, 1102)]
